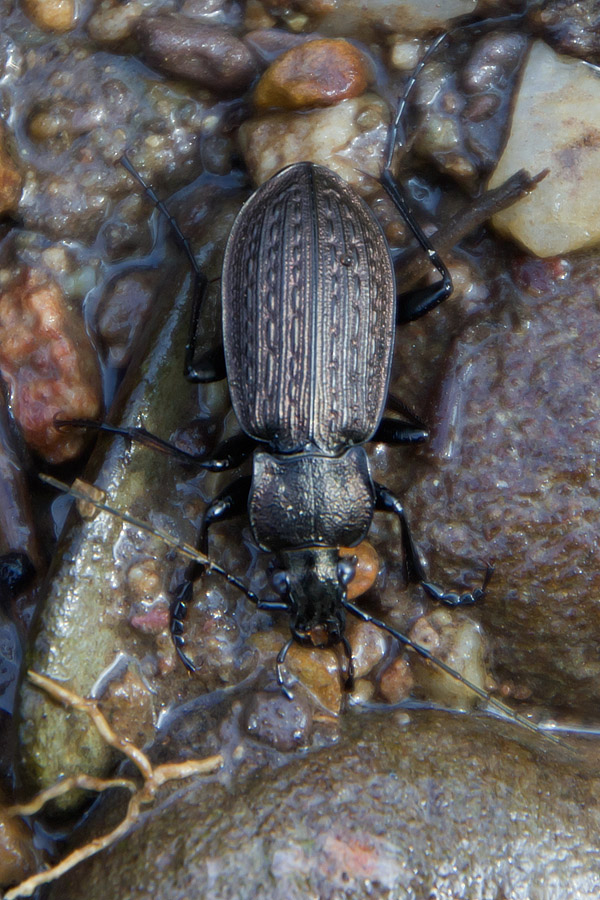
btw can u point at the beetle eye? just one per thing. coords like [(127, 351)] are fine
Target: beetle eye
[(280, 581), (346, 570)]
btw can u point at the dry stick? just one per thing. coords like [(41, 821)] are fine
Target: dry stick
[(153, 779)]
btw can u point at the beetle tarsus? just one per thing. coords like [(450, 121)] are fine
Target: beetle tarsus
[(452, 598), (178, 612), (280, 670)]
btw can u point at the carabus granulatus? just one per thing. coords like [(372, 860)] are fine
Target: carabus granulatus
[(309, 314)]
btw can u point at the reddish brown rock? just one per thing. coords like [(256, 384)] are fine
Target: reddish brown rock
[(317, 73), (49, 365)]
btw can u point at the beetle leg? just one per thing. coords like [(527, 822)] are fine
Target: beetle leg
[(349, 685), (410, 429), (451, 598), (386, 502), (396, 431), (229, 454), (413, 304), (211, 366), (280, 661), (229, 503)]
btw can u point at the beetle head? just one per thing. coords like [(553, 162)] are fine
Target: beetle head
[(313, 581)]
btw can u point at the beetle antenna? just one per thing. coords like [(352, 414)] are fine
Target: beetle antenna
[(491, 701), (187, 550)]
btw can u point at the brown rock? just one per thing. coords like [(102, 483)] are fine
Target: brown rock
[(206, 54), (317, 73)]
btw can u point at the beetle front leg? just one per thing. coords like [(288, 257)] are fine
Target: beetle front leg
[(232, 501), (385, 501), (451, 598)]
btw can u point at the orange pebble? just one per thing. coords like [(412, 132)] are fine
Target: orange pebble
[(367, 567)]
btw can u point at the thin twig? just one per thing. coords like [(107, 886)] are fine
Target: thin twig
[(154, 778)]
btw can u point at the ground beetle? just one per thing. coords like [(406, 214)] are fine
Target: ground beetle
[(309, 313)]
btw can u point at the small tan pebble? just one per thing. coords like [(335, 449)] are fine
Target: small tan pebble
[(457, 641), (18, 857), (143, 579), (51, 15), (405, 53), (367, 567), (319, 671), (313, 74), (88, 510), (256, 16), (129, 707), (114, 21), (364, 691), (396, 681), (356, 128), (369, 645)]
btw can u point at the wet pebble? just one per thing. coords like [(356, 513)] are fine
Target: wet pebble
[(127, 703), (209, 55), (457, 641), (347, 137), (365, 20), (381, 814), (369, 645), (366, 561), (49, 364), (112, 21), (277, 721), (121, 313), (555, 125), (397, 680), (269, 43), (316, 73), (52, 15), (570, 26)]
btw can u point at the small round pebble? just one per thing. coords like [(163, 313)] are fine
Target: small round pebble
[(316, 73)]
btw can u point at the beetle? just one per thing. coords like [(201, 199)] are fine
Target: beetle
[(309, 314)]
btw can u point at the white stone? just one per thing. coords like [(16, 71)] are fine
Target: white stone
[(556, 125), (406, 16)]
